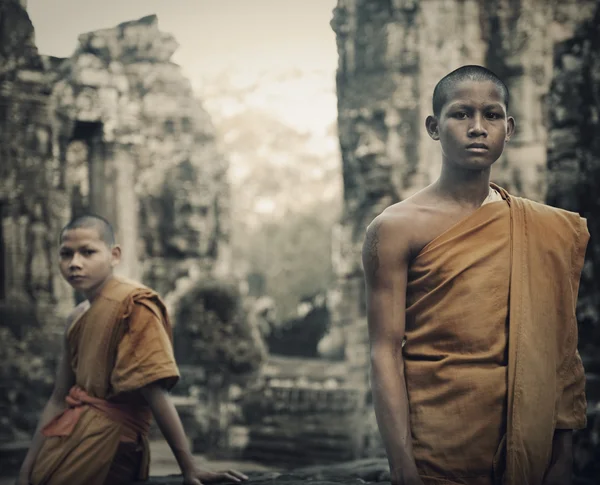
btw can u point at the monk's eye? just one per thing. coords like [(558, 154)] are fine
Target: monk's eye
[(460, 115), (494, 116), (64, 254), (88, 252)]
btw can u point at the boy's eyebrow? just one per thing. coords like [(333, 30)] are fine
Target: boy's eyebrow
[(459, 105), (494, 106), (463, 105), (82, 247), (470, 108)]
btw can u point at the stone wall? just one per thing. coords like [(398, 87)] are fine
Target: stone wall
[(32, 209), (137, 147), (573, 180), (305, 412), (33, 204), (391, 55), (520, 37), (114, 129)]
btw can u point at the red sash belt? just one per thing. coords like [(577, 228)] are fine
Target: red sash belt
[(135, 421)]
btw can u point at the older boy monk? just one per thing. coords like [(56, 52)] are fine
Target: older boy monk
[(116, 369), (471, 298)]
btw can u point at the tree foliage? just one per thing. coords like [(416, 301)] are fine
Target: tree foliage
[(213, 331)]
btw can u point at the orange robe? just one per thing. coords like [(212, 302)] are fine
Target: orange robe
[(120, 344), (490, 303)]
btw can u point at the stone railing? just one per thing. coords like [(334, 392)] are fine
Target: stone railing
[(303, 414)]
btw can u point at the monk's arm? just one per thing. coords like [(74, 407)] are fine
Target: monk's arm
[(169, 423), (171, 427), (385, 265), (65, 379)]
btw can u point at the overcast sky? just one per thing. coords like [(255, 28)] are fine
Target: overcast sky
[(244, 35)]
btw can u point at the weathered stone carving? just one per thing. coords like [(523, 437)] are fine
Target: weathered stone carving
[(128, 130), (27, 182)]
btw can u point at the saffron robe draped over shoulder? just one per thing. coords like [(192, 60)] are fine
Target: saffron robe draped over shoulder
[(120, 344), (490, 359)]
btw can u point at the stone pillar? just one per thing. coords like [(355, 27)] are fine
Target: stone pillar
[(98, 173), (126, 210), (378, 119), (390, 58), (520, 52), (450, 37)]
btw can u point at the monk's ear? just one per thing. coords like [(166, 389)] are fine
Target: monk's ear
[(510, 128), (432, 126), (115, 254)]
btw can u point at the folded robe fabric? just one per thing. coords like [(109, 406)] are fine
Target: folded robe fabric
[(546, 380), (488, 374), (120, 344)]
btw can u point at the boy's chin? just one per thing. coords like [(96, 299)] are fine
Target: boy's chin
[(473, 165), (79, 285)]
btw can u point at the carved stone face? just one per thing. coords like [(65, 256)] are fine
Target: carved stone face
[(192, 223), (190, 218)]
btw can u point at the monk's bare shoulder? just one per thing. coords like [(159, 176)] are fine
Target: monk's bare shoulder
[(388, 238)]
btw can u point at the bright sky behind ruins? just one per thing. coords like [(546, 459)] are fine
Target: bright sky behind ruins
[(282, 53), (246, 38), (246, 35)]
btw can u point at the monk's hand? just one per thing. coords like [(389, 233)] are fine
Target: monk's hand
[(200, 477)]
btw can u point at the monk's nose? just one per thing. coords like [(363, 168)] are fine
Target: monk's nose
[(75, 261), (477, 129)]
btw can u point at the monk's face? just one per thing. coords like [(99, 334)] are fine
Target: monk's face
[(86, 261), (473, 125)]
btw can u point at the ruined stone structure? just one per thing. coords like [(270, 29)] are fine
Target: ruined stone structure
[(33, 204), (391, 55), (129, 131), (306, 412), (114, 129)]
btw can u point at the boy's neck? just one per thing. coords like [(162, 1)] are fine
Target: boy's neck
[(95, 292), (467, 187)]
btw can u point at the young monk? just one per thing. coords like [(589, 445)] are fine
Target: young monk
[(471, 295), (116, 370)]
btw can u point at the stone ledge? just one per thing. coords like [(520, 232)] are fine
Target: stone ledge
[(357, 472)]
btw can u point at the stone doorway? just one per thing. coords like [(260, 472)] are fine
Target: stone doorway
[(87, 155)]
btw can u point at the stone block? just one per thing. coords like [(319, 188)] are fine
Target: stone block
[(31, 76), (92, 77)]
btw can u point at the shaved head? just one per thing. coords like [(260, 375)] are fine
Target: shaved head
[(465, 73), (92, 221)]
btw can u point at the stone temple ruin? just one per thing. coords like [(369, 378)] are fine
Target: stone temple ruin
[(115, 129)]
